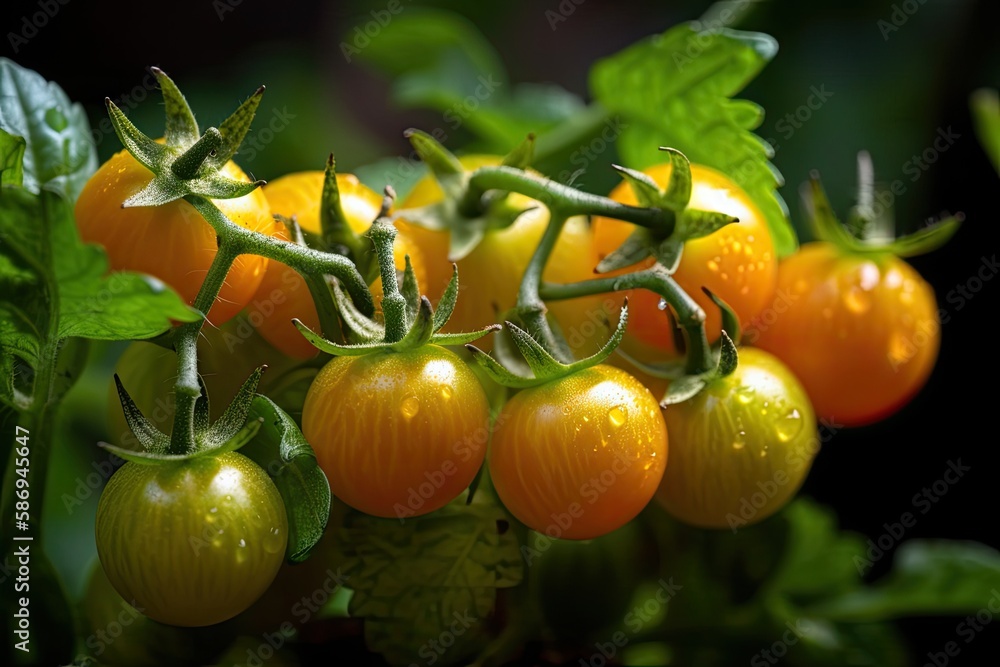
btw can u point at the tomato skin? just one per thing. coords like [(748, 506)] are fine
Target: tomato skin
[(737, 263), (397, 434), (580, 456), (283, 294), (741, 448), (171, 242), (491, 273), (193, 543), (861, 332)]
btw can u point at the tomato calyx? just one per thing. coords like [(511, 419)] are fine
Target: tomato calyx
[(187, 161), (666, 243), (543, 366), (684, 386), (229, 432), (870, 228), (409, 319), (464, 212)]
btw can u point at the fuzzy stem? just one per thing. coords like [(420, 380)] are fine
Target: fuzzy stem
[(530, 306)]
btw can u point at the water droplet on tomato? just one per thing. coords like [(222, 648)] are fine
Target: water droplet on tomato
[(789, 426), (713, 265), (740, 440), (274, 541), (410, 407), (744, 394), (242, 544), (662, 304), (446, 392), (856, 301), (617, 416)]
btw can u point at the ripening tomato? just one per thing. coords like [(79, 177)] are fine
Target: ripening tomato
[(492, 272), (581, 455), (737, 263), (741, 448), (397, 434), (861, 331), (283, 294), (172, 242), (193, 542)]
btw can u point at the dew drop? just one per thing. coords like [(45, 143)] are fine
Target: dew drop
[(856, 301), (744, 394), (409, 407), (740, 440), (565, 409), (274, 541), (446, 392), (617, 416), (242, 544), (713, 266), (586, 419), (789, 426), (662, 304)]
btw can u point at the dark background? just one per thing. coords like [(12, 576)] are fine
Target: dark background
[(890, 96)]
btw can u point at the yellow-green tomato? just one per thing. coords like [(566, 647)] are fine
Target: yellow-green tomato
[(398, 434), (195, 542), (741, 448), (581, 455)]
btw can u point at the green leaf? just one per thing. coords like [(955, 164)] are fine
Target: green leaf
[(59, 151), (929, 577), (676, 90), (820, 560), (985, 104), (40, 231), (281, 450), (455, 560), (927, 239), (11, 159)]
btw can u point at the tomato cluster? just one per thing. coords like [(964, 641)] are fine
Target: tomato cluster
[(403, 431)]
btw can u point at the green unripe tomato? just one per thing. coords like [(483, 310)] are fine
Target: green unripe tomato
[(192, 543)]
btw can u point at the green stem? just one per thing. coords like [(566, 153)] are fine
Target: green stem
[(568, 200), (187, 389), (382, 234), (690, 315), (530, 306)]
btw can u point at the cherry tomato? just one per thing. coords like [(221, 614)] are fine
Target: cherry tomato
[(741, 448), (861, 331), (397, 434), (194, 542), (283, 294), (226, 358), (737, 263), (579, 456), (172, 242), (492, 272)]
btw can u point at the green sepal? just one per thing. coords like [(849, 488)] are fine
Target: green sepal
[(149, 153), (446, 304), (239, 440), (542, 364), (464, 337), (151, 438), (694, 223), (682, 389), (281, 450), (645, 189), (678, 191), (410, 291), (522, 155), (338, 349), (421, 329), (637, 247), (668, 253), (362, 328), (448, 171), (728, 356), (730, 320), (464, 238), (336, 232), (234, 129), (181, 128), (234, 418), (827, 227)]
